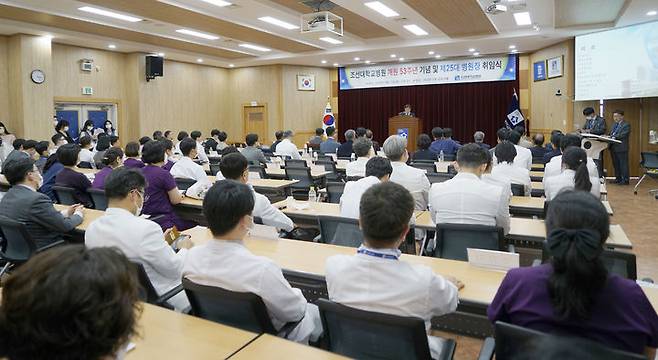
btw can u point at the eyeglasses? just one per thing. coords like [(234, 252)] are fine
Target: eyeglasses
[(143, 195)]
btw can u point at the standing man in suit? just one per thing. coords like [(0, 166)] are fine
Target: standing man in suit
[(23, 203), (620, 131), (594, 124), (407, 111)]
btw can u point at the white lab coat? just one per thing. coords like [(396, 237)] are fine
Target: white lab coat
[(201, 152), (270, 215), (186, 168), (230, 265), (554, 167), (555, 184), (141, 241), (413, 179), (522, 159), (391, 287), (286, 147), (515, 174), (357, 168), (87, 156), (351, 198)]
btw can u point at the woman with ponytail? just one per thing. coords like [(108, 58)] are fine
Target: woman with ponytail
[(112, 159), (574, 175), (573, 294)]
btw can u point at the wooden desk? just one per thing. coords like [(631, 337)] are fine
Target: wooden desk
[(271, 184), (281, 173), (442, 166), (314, 209), (268, 346), (4, 184), (166, 334), (341, 165), (526, 206), (537, 185), (537, 167), (89, 214)]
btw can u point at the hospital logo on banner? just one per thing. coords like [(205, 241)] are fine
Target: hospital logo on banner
[(403, 132)]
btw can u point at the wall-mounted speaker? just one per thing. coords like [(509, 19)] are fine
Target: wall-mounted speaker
[(154, 67)]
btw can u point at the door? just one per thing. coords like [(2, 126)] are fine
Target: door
[(72, 117), (255, 121), (98, 117), (97, 113)]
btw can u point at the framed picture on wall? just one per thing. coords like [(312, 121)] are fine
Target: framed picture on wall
[(539, 70), (306, 82), (554, 67)]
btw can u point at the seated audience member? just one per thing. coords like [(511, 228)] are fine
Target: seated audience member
[(235, 167), (360, 132), (573, 294), (141, 240), (554, 167), (101, 146), (446, 143), (170, 159), (133, 160), (375, 144), (574, 175), (70, 303), (345, 149), (157, 135), (424, 153), (23, 203), (363, 151), (113, 159), (161, 190), (538, 150), (524, 142), (228, 206), (42, 151), (181, 135), (479, 139), (504, 182), (143, 140), (286, 147), (221, 141), (211, 143), (553, 149), (505, 153), (114, 141), (437, 135), (50, 171), (384, 215), (58, 140), (501, 135), (18, 151), (186, 168), (378, 170), (414, 180), (168, 134), (317, 139), (86, 156), (466, 199), (69, 156), (201, 152), (330, 145), (278, 135), (252, 152), (523, 157)]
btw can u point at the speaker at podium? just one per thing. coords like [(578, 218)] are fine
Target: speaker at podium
[(408, 126)]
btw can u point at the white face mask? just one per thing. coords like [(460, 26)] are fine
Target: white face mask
[(108, 126), (66, 128), (39, 179), (90, 128), (2, 130), (55, 122)]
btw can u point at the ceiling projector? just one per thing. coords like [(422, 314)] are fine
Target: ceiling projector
[(496, 8)]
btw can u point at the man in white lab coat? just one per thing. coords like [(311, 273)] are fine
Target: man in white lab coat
[(186, 168), (554, 167), (200, 150), (235, 166), (225, 262), (505, 153), (378, 170), (363, 151), (375, 279), (286, 147), (413, 179), (141, 240), (523, 156)]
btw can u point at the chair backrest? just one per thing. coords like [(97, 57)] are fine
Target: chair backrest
[(65, 195), (325, 157), (258, 169), (650, 160), (512, 340), (363, 334), (303, 175), (620, 263), (147, 292), (214, 169), (296, 163), (99, 198), (438, 177), (335, 191), (18, 244), (449, 157), (340, 231), (184, 184), (452, 240), (242, 310), (428, 167), (518, 189), (354, 178), (85, 165), (329, 165)]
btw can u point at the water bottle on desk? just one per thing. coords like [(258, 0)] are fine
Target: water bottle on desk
[(441, 156), (312, 196), (352, 157)]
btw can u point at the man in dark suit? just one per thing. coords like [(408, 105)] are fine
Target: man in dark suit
[(23, 203), (479, 139), (407, 111), (594, 124), (345, 149), (538, 150), (620, 131)]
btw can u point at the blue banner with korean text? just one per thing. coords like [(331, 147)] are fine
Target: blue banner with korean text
[(493, 68)]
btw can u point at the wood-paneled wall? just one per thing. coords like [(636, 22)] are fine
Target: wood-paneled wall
[(4, 88)]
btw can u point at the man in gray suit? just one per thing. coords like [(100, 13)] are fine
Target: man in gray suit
[(620, 131), (594, 124), (252, 152), (23, 203)]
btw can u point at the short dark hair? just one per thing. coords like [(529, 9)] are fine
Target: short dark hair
[(361, 146), (225, 204), (56, 138), (187, 145), (132, 149), (505, 152), (437, 132), (384, 213), (68, 154), (18, 143), (619, 112), (588, 111), (84, 141), (153, 152), (143, 140), (182, 135), (42, 147), (556, 131), (514, 137), (330, 131), (538, 139), (214, 132), (229, 150), (111, 155), (360, 132), (29, 144), (519, 129), (471, 156), (69, 302), (122, 181), (556, 139), (168, 144), (369, 134), (16, 170), (319, 131), (113, 139), (569, 140), (195, 134), (157, 135), (278, 134), (379, 167), (503, 134), (423, 142), (166, 133), (61, 125), (447, 132), (251, 139), (233, 165), (222, 136)]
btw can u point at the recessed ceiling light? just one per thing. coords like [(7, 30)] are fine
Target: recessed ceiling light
[(476, 54), (331, 40), (231, 65), (652, 13), (254, 47), (199, 60), (512, 46), (220, 3), (324, 61), (381, 8), (357, 58), (522, 18), (107, 13), (368, 61), (514, 51), (161, 54), (393, 56), (430, 52), (416, 30), (336, 64), (112, 46), (197, 34), (401, 59), (48, 37), (471, 50), (277, 22), (437, 56)]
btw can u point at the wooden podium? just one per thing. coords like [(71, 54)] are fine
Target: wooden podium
[(410, 125)]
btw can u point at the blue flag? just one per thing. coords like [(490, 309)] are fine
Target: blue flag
[(514, 114)]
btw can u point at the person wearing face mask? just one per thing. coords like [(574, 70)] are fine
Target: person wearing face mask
[(23, 203), (140, 239), (594, 124), (69, 156), (7, 139), (112, 160), (87, 130), (63, 129), (108, 128)]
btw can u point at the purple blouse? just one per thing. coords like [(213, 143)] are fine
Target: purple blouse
[(79, 182), (621, 317), (159, 183), (133, 164), (99, 178), (168, 165)]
